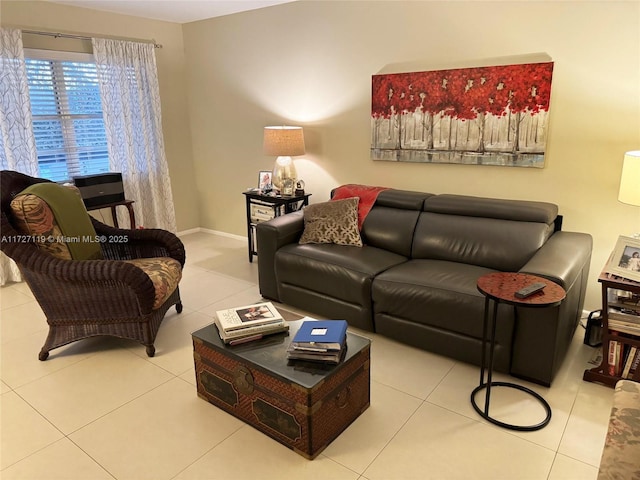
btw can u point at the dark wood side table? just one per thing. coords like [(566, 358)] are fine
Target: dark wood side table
[(606, 373), (125, 203), (261, 208), (501, 287)]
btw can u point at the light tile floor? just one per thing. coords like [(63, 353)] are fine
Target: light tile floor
[(101, 409)]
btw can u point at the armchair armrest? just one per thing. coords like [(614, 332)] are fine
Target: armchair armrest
[(126, 244), (562, 259), (76, 285), (271, 236)]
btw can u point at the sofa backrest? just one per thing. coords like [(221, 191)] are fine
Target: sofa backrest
[(392, 221), (492, 233)]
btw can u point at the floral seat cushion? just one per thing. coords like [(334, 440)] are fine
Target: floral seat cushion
[(164, 273)]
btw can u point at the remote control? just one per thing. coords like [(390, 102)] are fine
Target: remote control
[(530, 290)]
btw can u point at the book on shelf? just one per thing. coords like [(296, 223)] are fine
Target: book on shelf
[(634, 363), (627, 364), (241, 318), (615, 357), (319, 341)]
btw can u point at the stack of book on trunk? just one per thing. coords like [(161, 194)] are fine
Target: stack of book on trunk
[(319, 341), (251, 322)]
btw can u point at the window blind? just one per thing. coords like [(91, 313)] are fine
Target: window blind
[(67, 114)]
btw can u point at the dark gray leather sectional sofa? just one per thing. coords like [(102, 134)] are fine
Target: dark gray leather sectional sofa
[(415, 278)]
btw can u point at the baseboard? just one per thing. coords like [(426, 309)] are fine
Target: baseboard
[(211, 232), (187, 232)]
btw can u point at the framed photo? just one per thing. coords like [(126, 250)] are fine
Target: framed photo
[(625, 259), (264, 180)]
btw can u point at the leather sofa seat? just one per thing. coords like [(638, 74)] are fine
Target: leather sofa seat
[(439, 295), (326, 268)]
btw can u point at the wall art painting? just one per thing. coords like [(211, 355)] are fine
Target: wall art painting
[(482, 116)]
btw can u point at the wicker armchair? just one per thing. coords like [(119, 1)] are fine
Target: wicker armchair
[(85, 298)]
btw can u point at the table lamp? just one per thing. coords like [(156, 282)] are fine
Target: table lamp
[(630, 181), (284, 142)]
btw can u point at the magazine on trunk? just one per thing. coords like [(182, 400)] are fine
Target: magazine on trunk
[(247, 316), (251, 333)]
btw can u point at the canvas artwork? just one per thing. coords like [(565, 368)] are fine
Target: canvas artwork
[(483, 116)]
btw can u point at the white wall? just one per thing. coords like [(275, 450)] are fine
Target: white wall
[(310, 63)]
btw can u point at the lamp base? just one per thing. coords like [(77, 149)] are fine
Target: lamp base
[(284, 169)]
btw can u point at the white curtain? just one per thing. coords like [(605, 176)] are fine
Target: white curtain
[(17, 144), (128, 80)]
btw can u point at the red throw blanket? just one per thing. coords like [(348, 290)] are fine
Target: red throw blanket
[(365, 193)]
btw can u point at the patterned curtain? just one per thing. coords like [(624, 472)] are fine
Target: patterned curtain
[(17, 144), (128, 80)]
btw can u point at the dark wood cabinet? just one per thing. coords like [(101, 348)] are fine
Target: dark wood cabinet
[(261, 208), (618, 341)]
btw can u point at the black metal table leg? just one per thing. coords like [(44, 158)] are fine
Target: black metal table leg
[(489, 383)]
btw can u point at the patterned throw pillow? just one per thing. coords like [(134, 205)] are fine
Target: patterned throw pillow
[(332, 222), (57, 220), (34, 217)]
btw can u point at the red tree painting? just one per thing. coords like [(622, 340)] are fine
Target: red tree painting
[(486, 115)]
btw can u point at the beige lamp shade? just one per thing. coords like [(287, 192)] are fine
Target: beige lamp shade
[(283, 141), (630, 179)]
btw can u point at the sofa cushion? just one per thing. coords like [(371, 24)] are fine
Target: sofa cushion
[(332, 222), (165, 274), (342, 272), (433, 292), (488, 232), (498, 244), (57, 220), (391, 229), (442, 297), (392, 221), (517, 210)]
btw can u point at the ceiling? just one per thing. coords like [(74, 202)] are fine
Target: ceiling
[(177, 11)]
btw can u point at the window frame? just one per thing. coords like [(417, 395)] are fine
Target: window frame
[(72, 151)]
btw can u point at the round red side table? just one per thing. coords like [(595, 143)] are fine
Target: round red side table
[(501, 287)]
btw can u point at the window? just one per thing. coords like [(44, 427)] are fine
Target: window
[(67, 114)]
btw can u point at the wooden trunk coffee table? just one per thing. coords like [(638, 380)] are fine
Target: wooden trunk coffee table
[(302, 405)]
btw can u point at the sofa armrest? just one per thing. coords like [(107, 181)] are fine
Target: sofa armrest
[(271, 236), (562, 258), (543, 336)]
